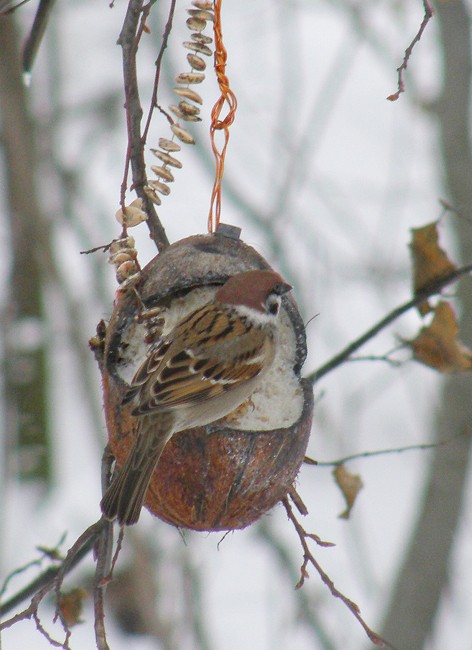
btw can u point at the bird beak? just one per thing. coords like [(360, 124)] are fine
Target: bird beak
[(282, 287)]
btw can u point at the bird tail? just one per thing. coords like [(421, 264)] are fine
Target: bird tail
[(124, 497)]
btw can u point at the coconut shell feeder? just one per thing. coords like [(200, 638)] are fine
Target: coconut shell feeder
[(226, 475)]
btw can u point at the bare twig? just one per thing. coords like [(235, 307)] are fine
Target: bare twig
[(50, 553), (42, 630), (87, 539), (297, 500), (99, 537), (386, 357), (165, 38), (102, 571), (307, 611), (117, 550), (35, 36), (53, 577), (308, 558), (383, 452), (430, 290), (428, 14), (129, 38), (40, 587), (45, 580)]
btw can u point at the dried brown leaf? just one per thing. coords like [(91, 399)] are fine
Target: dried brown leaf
[(70, 606), (430, 261), (350, 485), (437, 346)]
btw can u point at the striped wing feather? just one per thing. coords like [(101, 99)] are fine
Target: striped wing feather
[(178, 374)]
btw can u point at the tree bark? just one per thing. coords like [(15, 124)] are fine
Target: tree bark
[(23, 323)]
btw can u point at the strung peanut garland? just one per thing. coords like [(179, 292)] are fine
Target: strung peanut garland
[(123, 255), (187, 110)]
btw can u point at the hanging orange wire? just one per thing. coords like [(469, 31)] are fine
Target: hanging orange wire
[(227, 97)]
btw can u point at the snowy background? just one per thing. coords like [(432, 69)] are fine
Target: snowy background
[(326, 178)]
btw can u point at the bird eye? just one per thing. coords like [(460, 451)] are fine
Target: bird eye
[(273, 305)]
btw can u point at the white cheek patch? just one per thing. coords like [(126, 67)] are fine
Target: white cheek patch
[(259, 318)]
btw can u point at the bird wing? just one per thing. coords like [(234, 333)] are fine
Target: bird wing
[(179, 373)]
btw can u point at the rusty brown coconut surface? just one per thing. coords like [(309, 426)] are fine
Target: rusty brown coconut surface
[(214, 477)]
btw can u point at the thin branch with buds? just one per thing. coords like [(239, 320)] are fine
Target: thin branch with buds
[(383, 452), (309, 558)]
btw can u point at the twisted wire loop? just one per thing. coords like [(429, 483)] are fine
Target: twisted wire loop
[(227, 97)]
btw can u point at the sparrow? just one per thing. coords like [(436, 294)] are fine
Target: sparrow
[(204, 368)]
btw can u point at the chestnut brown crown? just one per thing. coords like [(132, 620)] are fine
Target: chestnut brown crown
[(258, 290)]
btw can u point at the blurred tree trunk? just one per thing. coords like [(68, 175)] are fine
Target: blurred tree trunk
[(23, 323), (424, 574)]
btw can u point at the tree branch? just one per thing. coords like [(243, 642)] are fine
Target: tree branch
[(430, 290), (309, 558), (165, 38), (53, 576), (384, 452), (133, 27), (428, 14)]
